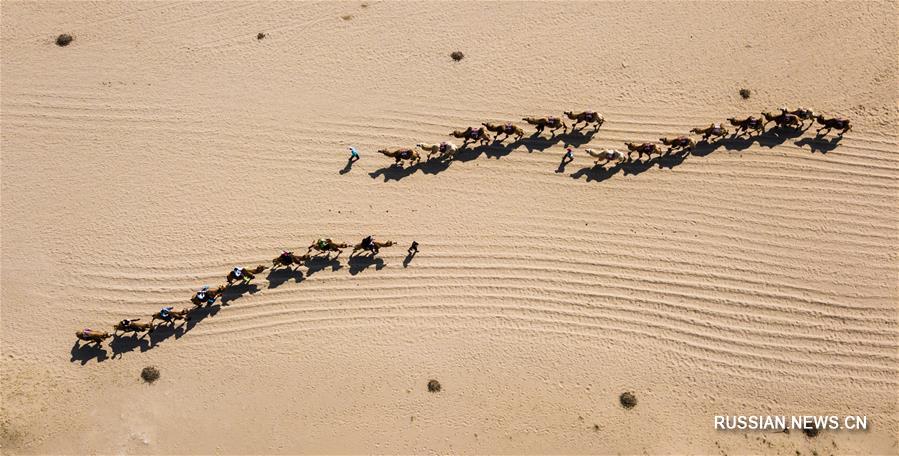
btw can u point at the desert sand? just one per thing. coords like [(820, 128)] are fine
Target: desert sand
[(167, 144)]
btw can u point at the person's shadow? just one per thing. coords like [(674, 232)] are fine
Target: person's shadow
[(359, 263), (349, 165), (566, 159), (408, 259)]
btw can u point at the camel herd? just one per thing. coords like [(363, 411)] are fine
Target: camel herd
[(784, 119), (240, 275)]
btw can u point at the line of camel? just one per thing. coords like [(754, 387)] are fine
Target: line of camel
[(207, 296), (785, 119)]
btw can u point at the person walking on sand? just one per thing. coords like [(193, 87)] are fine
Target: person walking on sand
[(413, 249), (354, 154), (569, 155)]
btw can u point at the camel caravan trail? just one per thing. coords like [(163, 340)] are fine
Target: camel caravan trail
[(785, 119)]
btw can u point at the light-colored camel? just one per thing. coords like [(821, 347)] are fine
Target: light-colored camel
[(242, 273), (126, 326), (374, 247), (504, 129), (715, 129), (609, 155), (782, 119), (836, 123), (207, 295), (91, 335), (678, 142), (289, 259), (746, 125), (327, 245), (587, 117), (472, 134), (445, 149), (402, 154), (640, 149), (171, 316), (553, 123)]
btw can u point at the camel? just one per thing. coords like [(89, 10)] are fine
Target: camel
[(327, 245), (170, 316), (372, 246), (402, 154), (289, 259), (802, 113), (837, 123), (445, 149), (782, 120), (131, 326), (90, 335), (504, 129), (587, 117), (714, 129), (640, 149), (747, 124), (242, 273), (472, 134), (610, 156), (207, 296), (678, 142), (554, 123)]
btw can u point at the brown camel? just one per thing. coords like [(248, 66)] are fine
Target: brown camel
[(714, 129), (782, 120), (168, 315), (678, 142), (836, 123), (609, 155), (640, 149), (402, 154), (504, 129), (207, 296), (242, 273), (472, 134), (91, 335), (289, 259), (554, 123), (802, 113), (746, 125), (327, 245), (373, 246), (587, 117), (126, 326)]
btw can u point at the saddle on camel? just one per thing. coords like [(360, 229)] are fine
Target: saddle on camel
[(288, 259), (244, 274), (207, 296), (126, 326)]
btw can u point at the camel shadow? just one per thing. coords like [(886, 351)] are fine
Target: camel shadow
[(198, 314), (121, 344), (165, 331), (86, 352), (819, 143), (359, 263), (537, 142), (276, 277), (235, 292), (320, 263), (578, 137), (597, 173)]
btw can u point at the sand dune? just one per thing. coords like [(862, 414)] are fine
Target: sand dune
[(167, 144)]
